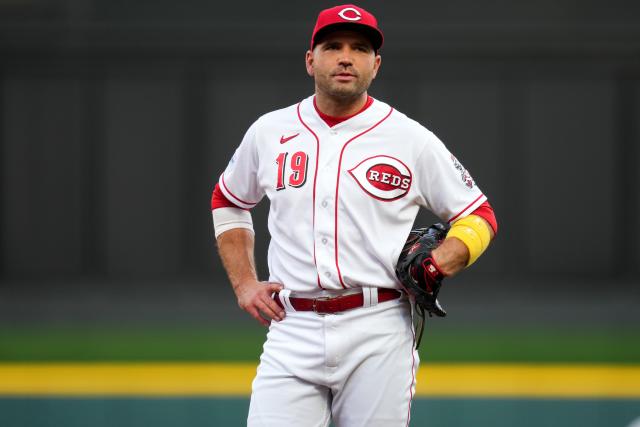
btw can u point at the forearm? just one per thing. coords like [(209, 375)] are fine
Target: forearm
[(452, 255), (236, 249)]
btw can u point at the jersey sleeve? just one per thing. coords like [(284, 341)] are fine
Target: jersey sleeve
[(446, 187), (239, 182)]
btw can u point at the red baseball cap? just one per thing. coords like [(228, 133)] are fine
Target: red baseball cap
[(347, 17)]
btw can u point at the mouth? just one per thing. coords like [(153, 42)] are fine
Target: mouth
[(344, 76)]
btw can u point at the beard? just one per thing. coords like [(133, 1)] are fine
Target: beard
[(343, 92)]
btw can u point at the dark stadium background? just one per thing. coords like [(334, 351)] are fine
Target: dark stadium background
[(117, 117)]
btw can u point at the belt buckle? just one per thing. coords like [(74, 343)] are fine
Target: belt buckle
[(315, 308)]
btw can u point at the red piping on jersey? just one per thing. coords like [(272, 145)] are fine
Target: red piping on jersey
[(338, 187), (468, 206), (224, 184), (413, 375), (315, 174)]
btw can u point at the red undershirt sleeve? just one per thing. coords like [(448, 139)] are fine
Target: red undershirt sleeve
[(218, 200), (486, 211)]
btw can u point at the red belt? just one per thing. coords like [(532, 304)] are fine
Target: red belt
[(328, 305)]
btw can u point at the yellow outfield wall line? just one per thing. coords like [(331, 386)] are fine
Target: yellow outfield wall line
[(558, 381), (234, 379)]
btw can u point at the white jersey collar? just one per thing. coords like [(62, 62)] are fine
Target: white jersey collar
[(360, 122)]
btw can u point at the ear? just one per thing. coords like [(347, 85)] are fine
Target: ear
[(308, 60), (376, 65)]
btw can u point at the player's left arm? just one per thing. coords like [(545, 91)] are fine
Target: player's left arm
[(468, 238)]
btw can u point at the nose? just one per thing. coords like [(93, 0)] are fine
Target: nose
[(345, 59), (344, 62), (346, 55)]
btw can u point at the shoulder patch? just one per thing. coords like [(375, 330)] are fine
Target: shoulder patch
[(464, 175)]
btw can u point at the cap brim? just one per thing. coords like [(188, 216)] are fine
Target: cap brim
[(374, 36)]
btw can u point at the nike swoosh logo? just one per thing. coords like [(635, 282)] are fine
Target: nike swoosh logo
[(283, 139)]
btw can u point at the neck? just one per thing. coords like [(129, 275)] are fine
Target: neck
[(340, 107)]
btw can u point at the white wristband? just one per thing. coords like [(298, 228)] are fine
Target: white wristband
[(225, 219)]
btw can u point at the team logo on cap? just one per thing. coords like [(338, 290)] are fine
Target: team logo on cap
[(350, 14), (383, 177)]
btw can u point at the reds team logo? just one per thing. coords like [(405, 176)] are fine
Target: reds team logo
[(350, 14), (383, 177)]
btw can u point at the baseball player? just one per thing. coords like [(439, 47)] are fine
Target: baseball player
[(345, 175)]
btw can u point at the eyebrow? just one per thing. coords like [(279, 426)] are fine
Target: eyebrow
[(361, 44), (358, 44)]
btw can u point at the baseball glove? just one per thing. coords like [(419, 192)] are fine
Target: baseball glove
[(419, 274)]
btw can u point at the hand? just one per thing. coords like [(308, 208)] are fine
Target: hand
[(254, 297), (431, 279), (418, 271)]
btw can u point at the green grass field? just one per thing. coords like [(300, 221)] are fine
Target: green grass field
[(204, 344)]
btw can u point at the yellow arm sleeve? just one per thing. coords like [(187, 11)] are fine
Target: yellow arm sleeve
[(474, 232)]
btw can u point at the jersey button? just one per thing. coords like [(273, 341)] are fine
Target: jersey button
[(324, 240), (327, 274), (333, 132), (324, 203)]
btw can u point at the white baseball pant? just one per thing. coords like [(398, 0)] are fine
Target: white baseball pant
[(356, 368)]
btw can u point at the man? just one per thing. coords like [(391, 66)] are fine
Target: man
[(345, 175)]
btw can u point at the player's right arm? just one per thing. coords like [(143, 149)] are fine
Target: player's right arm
[(236, 248), (238, 191)]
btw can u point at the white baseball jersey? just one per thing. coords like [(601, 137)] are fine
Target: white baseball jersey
[(343, 199)]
